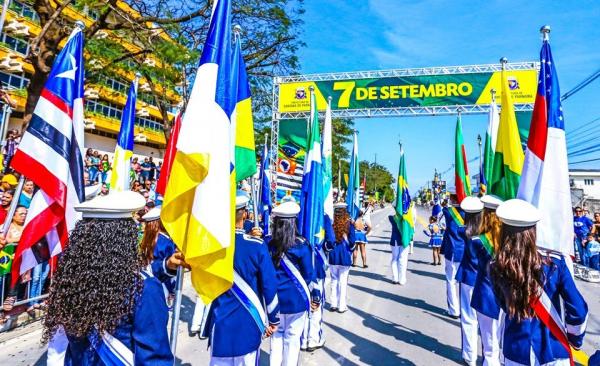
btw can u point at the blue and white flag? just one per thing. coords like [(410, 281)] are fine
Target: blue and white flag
[(310, 220), (327, 175), (265, 191), (353, 193)]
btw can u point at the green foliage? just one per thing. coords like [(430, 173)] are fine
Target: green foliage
[(378, 178)]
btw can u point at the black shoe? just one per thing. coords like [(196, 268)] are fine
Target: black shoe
[(365, 266), (341, 311), (395, 282), (194, 333), (312, 349), (333, 309), (452, 316), (433, 263)]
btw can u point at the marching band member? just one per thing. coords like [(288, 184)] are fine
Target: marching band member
[(531, 285), (453, 245), (362, 229), (313, 337), (466, 274), (484, 301), (340, 257), (102, 308), (399, 254), (237, 320), (293, 260), (159, 250)]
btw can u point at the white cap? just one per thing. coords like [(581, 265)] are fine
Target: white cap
[(241, 199), (339, 205), (490, 201), (471, 204), (115, 205), (153, 214), (288, 198), (286, 210), (518, 213)]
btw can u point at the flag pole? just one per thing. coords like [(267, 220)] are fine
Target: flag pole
[(176, 310), (13, 206)]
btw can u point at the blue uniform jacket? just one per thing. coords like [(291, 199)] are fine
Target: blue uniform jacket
[(453, 243), (396, 237), (144, 333), (291, 300), (163, 249), (248, 226), (467, 271), (484, 300), (228, 317), (530, 338), (319, 262), (340, 253)]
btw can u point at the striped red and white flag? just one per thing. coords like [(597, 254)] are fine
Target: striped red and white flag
[(50, 154)]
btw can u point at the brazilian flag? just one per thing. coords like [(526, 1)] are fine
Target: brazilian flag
[(6, 258)]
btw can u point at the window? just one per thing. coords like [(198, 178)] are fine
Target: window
[(15, 44), (588, 182), (111, 110), (14, 81), (24, 10)]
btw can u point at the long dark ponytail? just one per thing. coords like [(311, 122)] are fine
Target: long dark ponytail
[(283, 237)]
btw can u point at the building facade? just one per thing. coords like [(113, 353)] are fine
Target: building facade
[(586, 180), (105, 97)]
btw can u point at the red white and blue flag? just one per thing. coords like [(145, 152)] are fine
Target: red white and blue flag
[(545, 176), (50, 154)]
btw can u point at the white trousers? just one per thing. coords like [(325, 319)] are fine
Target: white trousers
[(313, 325), (249, 359), (468, 324), (339, 286), (491, 333), (452, 288), (200, 314), (399, 263), (285, 342)]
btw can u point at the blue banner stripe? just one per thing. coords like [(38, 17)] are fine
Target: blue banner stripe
[(249, 306), (49, 135)]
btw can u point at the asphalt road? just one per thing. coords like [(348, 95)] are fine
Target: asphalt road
[(387, 324)]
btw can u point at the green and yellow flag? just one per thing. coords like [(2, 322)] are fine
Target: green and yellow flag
[(404, 218), (461, 168), (509, 157), (245, 154)]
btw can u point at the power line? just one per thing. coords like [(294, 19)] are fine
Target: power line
[(584, 161), (587, 140), (584, 151), (585, 125), (581, 85)]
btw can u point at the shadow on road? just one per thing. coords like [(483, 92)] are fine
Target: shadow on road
[(408, 335), (415, 303), (438, 276), (369, 352)]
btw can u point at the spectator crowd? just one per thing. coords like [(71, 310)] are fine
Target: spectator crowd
[(28, 294)]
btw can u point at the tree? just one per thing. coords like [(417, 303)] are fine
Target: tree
[(379, 179), (170, 32)]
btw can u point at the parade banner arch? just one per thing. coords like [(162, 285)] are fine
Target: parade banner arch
[(432, 91)]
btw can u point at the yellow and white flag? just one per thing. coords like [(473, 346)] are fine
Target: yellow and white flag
[(198, 208)]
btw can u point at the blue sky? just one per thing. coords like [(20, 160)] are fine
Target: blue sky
[(384, 34)]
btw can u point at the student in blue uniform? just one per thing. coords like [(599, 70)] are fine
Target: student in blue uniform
[(434, 232), (530, 282), (484, 301), (102, 308), (453, 244), (159, 251), (399, 262), (313, 336), (362, 229), (293, 260), (466, 274), (237, 320), (340, 257)]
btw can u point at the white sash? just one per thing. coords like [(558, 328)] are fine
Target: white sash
[(297, 278), (244, 293)]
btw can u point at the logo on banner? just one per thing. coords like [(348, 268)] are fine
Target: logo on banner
[(300, 93), (513, 83)]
